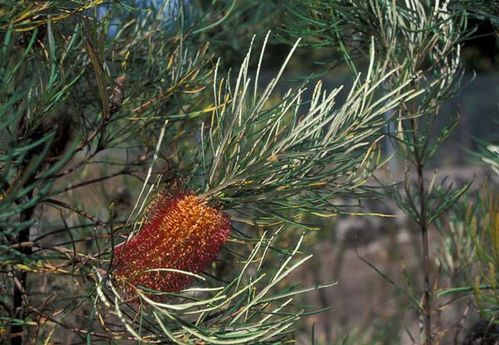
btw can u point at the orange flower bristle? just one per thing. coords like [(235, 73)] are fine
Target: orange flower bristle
[(181, 232)]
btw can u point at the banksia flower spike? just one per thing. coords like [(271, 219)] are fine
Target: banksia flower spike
[(181, 232)]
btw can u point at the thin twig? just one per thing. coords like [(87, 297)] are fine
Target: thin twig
[(423, 225), (124, 171), (81, 212), (19, 306)]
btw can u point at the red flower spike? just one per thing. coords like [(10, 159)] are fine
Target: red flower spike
[(182, 232)]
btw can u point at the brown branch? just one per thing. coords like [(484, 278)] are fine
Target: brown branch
[(121, 335), (117, 226), (95, 180), (21, 304), (423, 225), (81, 212), (20, 277)]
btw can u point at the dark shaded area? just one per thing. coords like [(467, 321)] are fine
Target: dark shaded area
[(480, 50), (483, 332)]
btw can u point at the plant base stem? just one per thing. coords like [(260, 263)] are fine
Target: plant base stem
[(426, 257), (19, 309)]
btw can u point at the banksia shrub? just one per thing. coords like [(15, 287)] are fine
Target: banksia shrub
[(181, 232)]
